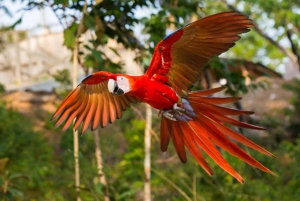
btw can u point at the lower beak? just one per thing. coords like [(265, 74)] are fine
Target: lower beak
[(117, 90)]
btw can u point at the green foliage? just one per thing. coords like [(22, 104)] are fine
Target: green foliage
[(276, 128), (20, 144), (2, 88), (294, 112), (49, 177), (108, 20), (275, 18), (63, 77), (235, 80), (283, 124), (70, 36)]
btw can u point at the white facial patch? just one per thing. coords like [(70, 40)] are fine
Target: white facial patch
[(111, 85), (123, 83)]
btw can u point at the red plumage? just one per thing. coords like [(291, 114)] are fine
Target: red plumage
[(191, 119)]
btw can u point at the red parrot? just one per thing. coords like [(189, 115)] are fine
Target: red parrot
[(191, 119)]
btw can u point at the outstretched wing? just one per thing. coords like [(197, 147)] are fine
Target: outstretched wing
[(90, 103), (180, 57)]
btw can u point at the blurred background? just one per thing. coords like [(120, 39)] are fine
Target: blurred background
[(46, 47)]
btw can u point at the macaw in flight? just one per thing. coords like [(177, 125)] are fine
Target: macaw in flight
[(193, 120)]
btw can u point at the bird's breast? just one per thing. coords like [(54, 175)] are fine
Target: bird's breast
[(156, 94)]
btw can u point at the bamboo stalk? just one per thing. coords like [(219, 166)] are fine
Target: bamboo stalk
[(147, 162), (75, 132), (98, 154), (194, 187)]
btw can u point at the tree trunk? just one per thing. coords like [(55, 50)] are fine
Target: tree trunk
[(147, 162), (101, 175), (75, 133)]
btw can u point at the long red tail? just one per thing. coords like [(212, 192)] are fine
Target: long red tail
[(207, 129)]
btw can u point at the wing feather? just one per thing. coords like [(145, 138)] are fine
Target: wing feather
[(90, 113), (106, 111), (82, 114), (191, 47), (112, 109), (91, 104), (122, 102), (118, 107), (96, 117), (66, 111)]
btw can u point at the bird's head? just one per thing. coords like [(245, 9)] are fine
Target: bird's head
[(119, 86)]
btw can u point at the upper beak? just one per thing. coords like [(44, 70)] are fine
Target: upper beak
[(113, 87), (117, 90)]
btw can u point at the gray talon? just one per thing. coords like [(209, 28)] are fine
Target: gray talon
[(168, 115), (179, 109), (177, 113)]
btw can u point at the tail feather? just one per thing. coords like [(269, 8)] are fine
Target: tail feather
[(211, 100), (207, 129), (165, 130), (206, 92), (220, 140), (178, 140), (220, 110), (240, 138), (224, 119), (196, 152), (202, 139)]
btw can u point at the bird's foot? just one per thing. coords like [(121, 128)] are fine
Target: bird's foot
[(178, 109), (173, 113), (168, 114)]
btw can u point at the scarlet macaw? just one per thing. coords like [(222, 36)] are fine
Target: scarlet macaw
[(192, 119)]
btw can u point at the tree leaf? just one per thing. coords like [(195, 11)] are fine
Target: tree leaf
[(69, 38), (19, 21), (89, 21)]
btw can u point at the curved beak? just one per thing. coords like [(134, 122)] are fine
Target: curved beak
[(117, 90), (113, 88)]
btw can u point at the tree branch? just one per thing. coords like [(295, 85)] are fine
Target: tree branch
[(98, 155), (294, 47), (75, 133), (264, 35), (147, 162)]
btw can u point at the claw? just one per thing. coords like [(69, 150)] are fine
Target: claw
[(179, 113), (179, 109), (168, 115), (160, 111)]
